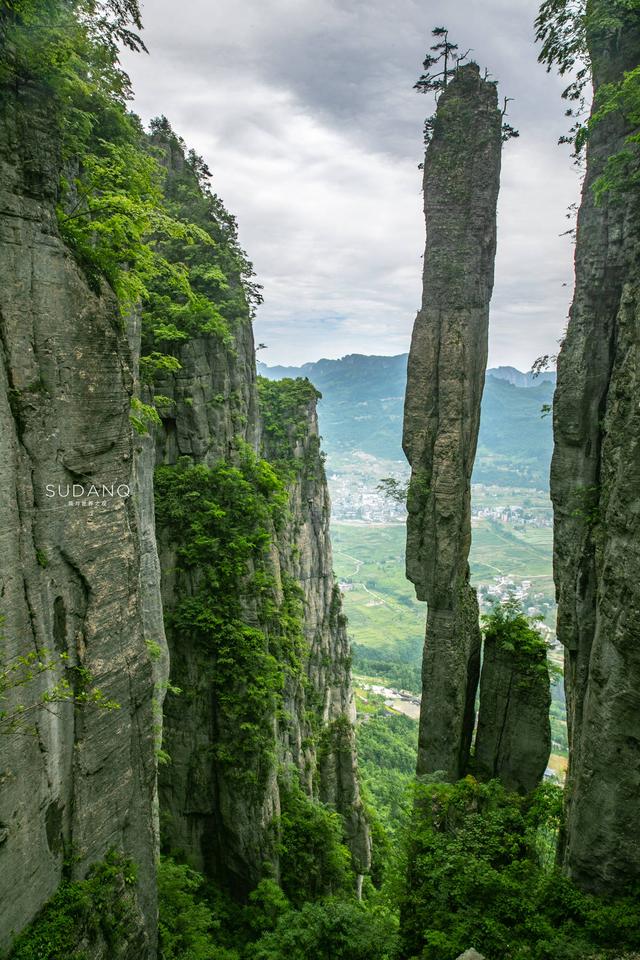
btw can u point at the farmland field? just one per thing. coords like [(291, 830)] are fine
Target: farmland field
[(380, 602), (386, 622)]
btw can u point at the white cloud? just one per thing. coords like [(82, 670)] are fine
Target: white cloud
[(304, 111)]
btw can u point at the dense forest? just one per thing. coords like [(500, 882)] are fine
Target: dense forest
[(183, 774)]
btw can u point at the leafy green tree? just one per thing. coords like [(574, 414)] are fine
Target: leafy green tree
[(187, 927), (111, 213), (267, 904), (564, 29), (313, 858), (205, 285), (509, 626), (331, 929), (479, 875), (101, 906), (445, 57), (156, 234), (387, 748), (442, 55), (22, 699), (394, 489)]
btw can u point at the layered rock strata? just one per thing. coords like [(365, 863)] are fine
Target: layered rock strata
[(595, 485), (446, 372), (76, 780)]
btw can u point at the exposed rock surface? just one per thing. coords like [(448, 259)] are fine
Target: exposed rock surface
[(329, 761), (70, 576), (513, 739), (471, 955), (206, 816), (446, 373), (82, 579), (595, 484), (224, 827), (85, 581)]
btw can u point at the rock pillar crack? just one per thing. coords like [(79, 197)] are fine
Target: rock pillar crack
[(446, 373)]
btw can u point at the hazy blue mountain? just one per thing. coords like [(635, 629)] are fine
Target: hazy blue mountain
[(362, 402), (519, 379)]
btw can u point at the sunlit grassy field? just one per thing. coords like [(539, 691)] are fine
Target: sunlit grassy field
[(380, 601)]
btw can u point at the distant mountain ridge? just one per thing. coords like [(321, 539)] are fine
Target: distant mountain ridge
[(393, 365), (362, 409), (519, 379)]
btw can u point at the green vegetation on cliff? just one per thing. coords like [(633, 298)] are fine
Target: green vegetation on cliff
[(98, 910), (221, 520), (285, 408), (203, 281), (156, 233), (188, 926), (284, 405), (507, 626), (313, 858), (312, 911), (463, 864), (573, 33)]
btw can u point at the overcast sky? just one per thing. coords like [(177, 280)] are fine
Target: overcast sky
[(305, 112)]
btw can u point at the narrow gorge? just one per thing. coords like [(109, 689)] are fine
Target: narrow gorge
[(218, 599), (260, 653), (190, 768)]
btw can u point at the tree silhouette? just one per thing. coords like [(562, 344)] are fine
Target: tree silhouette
[(443, 52), (444, 55)]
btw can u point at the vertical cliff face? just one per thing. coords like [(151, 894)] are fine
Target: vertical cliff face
[(210, 813), (442, 409), (513, 739), (594, 487), (257, 638), (230, 739), (77, 780), (319, 739)]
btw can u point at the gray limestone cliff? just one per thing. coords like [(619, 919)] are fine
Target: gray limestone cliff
[(595, 483), (322, 697), (513, 739), (75, 579), (446, 373), (222, 822), (220, 793), (82, 582)]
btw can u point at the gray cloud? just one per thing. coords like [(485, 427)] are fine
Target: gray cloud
[(305, 112)]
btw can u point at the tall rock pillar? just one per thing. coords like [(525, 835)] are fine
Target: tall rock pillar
[(595, 487), (442, 408)]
